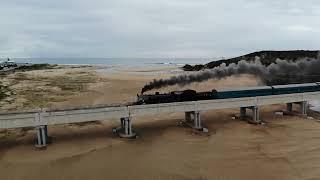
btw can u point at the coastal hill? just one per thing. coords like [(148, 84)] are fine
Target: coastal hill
[(266, 58)]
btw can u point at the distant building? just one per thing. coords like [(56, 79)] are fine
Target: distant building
[(7, 63)]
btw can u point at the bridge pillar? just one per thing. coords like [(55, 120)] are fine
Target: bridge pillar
[(42, 137), (126, 128), (122, 122), (256, 114), (193, 119), (303, 107), (188, 117), (197, 120), (289, 107), (243, 111)]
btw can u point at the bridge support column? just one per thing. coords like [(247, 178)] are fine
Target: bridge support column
[(243, 112), (193, 120), (256, 114), (126, 128), (188, 117), (303, 108), (289, 107), (122, 121), (42, 137), (197, 120)]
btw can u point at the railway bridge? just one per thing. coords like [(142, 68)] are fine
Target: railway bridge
[(41, 119)]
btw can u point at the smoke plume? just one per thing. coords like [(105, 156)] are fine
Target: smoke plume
[(280, 72)]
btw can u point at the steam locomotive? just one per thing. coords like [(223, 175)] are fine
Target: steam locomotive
[(192, 95)]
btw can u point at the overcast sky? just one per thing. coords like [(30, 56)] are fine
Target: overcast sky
[(156, 28)]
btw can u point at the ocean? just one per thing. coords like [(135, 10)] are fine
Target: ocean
[(117, 61)]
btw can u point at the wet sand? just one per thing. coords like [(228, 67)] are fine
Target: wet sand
[(287, 147)]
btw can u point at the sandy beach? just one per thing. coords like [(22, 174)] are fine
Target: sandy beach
[(285, 148)]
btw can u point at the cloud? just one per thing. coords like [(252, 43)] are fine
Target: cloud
[(152, 28), (300, 28)]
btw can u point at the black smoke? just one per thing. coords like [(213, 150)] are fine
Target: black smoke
[(280, 72)]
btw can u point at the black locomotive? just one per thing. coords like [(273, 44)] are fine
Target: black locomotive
[(192, 95), (175, 96)]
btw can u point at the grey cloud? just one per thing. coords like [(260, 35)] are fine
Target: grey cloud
[(150, 28)]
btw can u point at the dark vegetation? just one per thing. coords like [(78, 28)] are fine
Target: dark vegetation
[(35, 67), (28, 67), (266, 58)]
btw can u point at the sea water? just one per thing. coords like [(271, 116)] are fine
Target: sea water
[(117, 61)]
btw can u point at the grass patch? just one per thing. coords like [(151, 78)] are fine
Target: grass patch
[(4, 91), (36, 91), (41, 98), (72, 83), (2, 94), (21, 77), (67, 85)]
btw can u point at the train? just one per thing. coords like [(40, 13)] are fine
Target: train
[(192, 95)]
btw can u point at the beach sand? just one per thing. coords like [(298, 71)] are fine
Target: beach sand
[(287, 147)]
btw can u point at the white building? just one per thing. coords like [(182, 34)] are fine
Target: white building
[(7, 63)]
